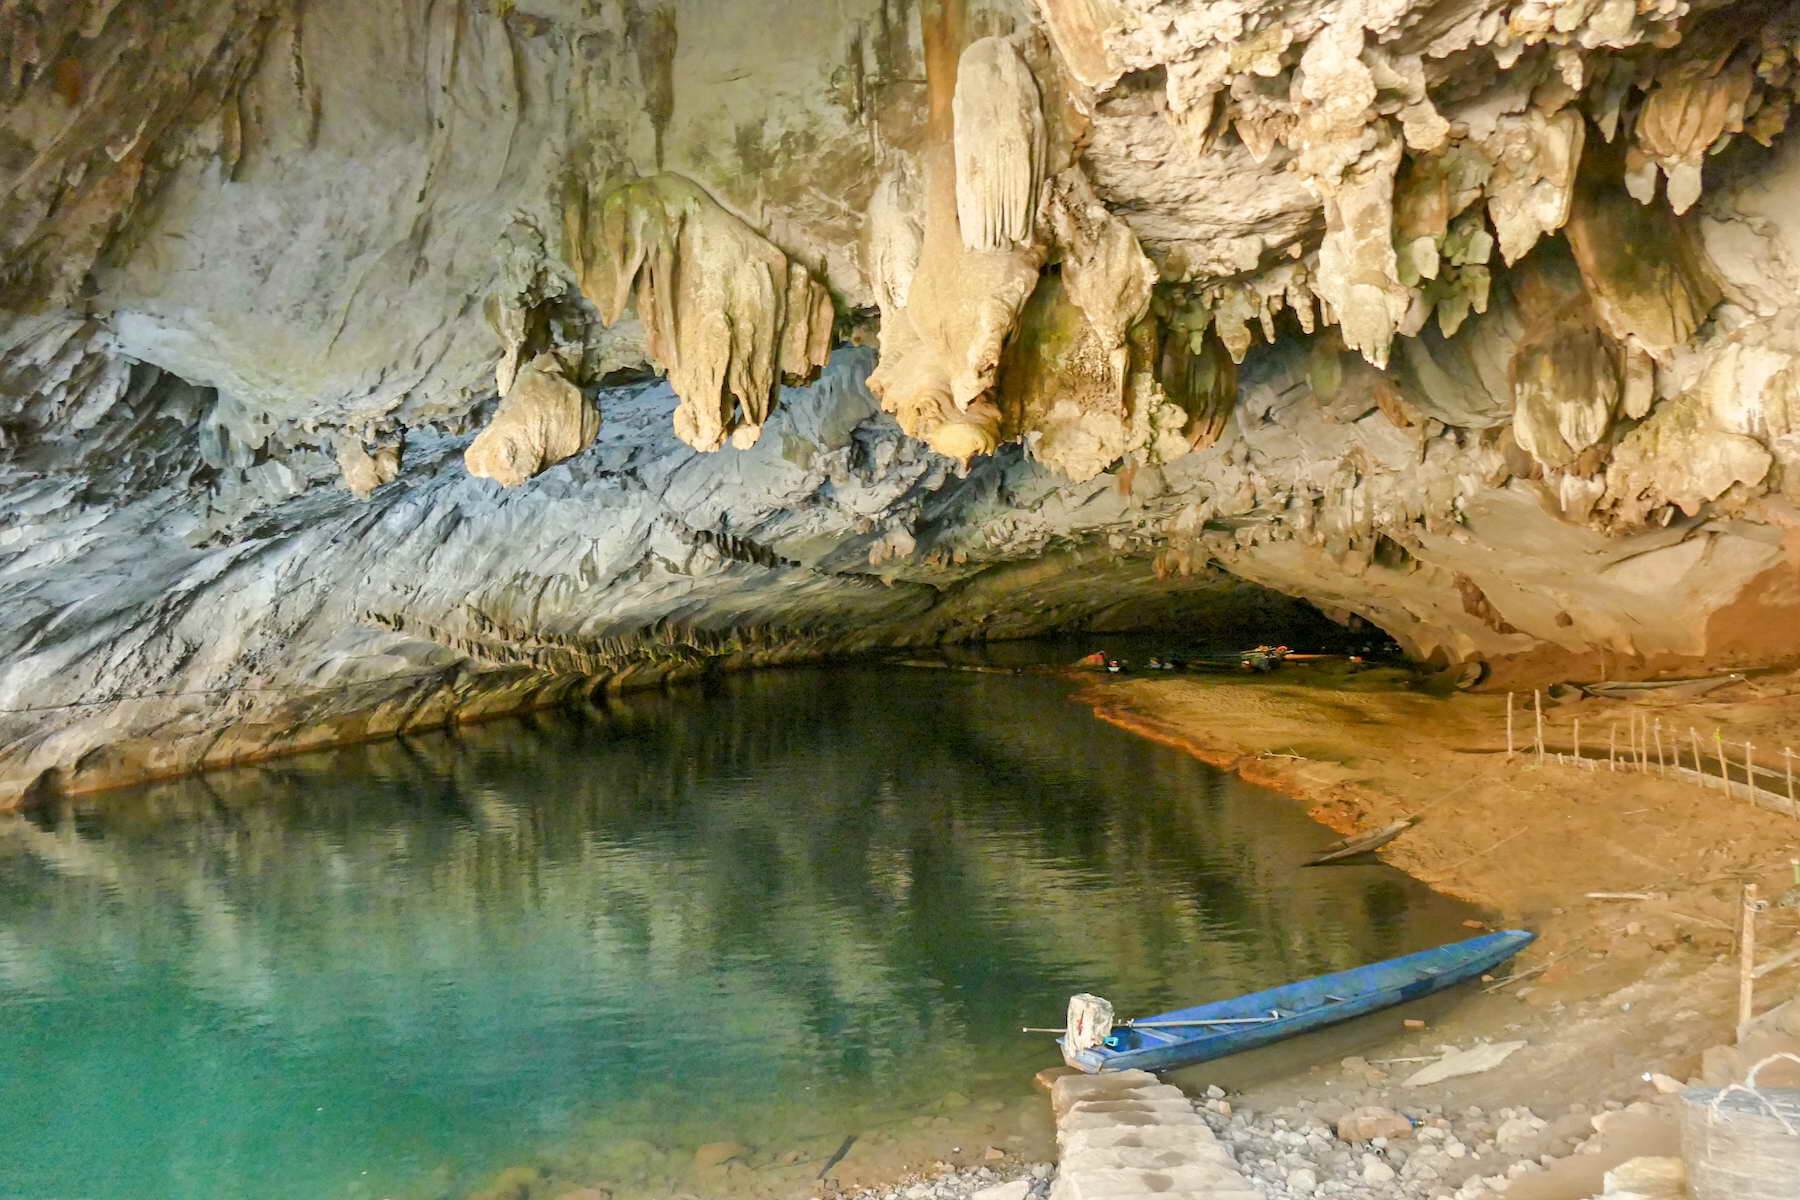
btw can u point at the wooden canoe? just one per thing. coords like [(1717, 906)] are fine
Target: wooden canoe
[(1362, 843), (1209, 1031)]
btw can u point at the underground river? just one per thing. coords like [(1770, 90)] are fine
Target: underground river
[(687, 942)]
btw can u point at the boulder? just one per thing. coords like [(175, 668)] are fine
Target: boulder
[(1370, 1122)]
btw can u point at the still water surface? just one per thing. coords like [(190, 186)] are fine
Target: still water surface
[(785, 909)]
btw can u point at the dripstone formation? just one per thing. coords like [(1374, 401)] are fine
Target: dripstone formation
[(366, 367)]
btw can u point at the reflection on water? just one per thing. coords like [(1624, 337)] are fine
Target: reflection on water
[(794, 906)]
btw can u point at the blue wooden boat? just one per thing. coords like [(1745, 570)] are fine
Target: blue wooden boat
[(1209, 1031)]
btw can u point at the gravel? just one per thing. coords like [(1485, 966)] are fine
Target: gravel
[(1293, 1154), (946, 1182)]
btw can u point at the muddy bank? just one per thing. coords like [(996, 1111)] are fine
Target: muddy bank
[(1639, 981)]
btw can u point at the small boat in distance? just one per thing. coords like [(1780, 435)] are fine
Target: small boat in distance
[(1362, 843), (1092, 1042)]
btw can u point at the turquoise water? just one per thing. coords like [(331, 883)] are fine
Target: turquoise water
[(779, 911)]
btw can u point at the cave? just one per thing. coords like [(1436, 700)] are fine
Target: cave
[(433, 390)]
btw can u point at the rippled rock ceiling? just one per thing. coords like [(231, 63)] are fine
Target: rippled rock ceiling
[(368, 366)]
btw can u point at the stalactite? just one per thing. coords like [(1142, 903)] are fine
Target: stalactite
[(941, 348), (1684, 116), (1202, 380), (725, 313), (1103, 266), (1358, 274), (543, 420), (1000, 146), (1644, 266), (1566, 391)]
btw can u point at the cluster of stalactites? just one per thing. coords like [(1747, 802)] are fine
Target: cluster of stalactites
[(980, 345), (954, 252), (1417, 190), (725, 313), (1741, 82)]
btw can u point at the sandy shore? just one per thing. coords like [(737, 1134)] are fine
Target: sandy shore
[(1614, 988)]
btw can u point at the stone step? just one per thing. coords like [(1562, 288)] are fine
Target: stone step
[(1075, 1122), (1160, 1137), (1175, 1104), (1082, 1189), (1142, 1158), (1146, 1156), (1112, 1085), (1127, 1136)]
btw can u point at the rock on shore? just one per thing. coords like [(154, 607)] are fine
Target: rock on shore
[(1296, 1153)]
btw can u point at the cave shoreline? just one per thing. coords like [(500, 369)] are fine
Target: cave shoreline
[(1633, 978), (1388, 751)]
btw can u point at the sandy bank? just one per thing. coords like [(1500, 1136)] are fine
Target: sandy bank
[(1614, 988)]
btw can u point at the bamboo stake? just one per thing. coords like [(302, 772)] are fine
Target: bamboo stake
[(1612, 747), (1631, 745), (1698, 769), (1747, 958), (1537, 703), (1509, 727), (1661, 767), (1787, 756), (1749, 773), (1724, 775), (1644, 746)]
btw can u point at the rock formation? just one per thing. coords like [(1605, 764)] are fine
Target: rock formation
[(1476, 324), (725, 313), (363, 471), (998, 132), (543, 420), (947, 313)]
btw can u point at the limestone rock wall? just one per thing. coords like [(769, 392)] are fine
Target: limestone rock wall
[(145, 637)]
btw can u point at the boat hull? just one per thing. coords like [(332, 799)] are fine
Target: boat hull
[(1296, 1007)]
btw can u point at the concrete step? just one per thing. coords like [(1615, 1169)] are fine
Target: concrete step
[(1128, 1136)]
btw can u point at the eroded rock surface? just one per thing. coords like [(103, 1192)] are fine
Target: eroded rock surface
[(1477, 323), (147, 635), (543, 420), (725, 313)]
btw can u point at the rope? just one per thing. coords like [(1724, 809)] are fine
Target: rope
[(1748, 1087)]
